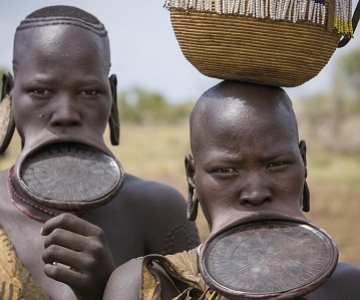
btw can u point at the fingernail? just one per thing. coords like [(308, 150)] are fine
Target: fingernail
[(41, 231)]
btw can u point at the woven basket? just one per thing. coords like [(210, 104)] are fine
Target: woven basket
[(258, 50)]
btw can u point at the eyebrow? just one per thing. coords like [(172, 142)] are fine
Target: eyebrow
[(272, 156), (44, 79), (233, 158), (220, 156), (37, 79)]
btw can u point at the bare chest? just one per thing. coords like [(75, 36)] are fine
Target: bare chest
[(25, 236)]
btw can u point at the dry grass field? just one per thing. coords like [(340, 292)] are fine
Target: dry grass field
[(157, 153)]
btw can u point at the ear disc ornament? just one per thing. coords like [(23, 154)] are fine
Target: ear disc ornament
[(7, 125)]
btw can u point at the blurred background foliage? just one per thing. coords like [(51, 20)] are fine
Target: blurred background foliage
[(155, 139), (331, 120), (146, 107), (332, 110)]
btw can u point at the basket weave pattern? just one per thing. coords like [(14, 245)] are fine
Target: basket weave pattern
[(243, 48)]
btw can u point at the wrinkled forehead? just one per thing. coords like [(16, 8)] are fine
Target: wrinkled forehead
[(54, 41)]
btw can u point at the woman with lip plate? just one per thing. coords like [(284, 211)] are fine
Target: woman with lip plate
[(62, 98), (248, 172)]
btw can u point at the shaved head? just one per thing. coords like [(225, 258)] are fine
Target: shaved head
[(224, 104), (45, 29), (247, 157), (61, 53)]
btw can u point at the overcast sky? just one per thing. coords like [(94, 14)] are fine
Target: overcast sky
[(144, 50)]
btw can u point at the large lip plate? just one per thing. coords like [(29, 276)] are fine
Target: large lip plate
[(35, 191), (242, 293)]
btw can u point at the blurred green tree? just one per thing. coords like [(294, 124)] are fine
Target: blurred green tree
[(147, 107), (349, 73), (351, 67)]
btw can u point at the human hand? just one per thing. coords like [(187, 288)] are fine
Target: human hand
[(82, 246)]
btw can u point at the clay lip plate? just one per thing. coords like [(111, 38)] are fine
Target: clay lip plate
[(70, 173), (269, 257)]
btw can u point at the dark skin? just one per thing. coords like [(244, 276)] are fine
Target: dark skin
[(247, 161), (61, 92)]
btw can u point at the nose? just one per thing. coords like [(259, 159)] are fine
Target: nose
[(66, 113), (255, 191)]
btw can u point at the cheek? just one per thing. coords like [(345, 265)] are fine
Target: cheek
[(290, 187), (214, 197), (22, 111), (106, 107), (98, 114), (298, 180), (207, 188), (18, 104)]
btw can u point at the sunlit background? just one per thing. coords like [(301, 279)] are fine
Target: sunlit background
[(145, 52), (157, 88)]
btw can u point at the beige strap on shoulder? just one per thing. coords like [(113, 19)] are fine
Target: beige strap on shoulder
[(15, 281), (183, 267)]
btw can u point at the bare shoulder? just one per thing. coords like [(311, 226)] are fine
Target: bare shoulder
[(342, 285), (348, 276), (152, 190), (125, 282), (152, 197), (346, 269), (162, 210)]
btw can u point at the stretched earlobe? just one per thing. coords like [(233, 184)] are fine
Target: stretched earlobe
[(114, 123), (302, 147), (306, 191), (306, 198), (7, 124), (193, 204), (193, 201)]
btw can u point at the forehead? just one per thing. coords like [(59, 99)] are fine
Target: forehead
[(59, 45), (232, 123)]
